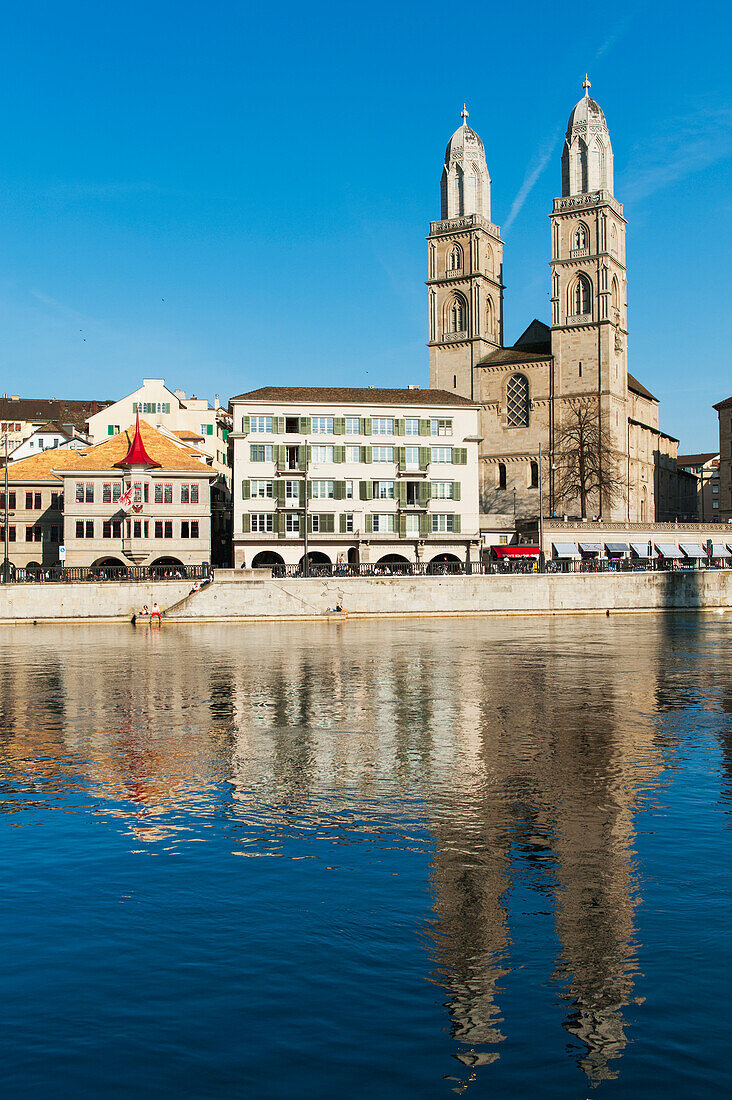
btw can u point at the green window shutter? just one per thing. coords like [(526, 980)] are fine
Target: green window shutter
[(279, 524), (280, 490), (339, 490), (401, 456), (310, 490), (366, 490), (402, 527), (310, 523), (343, 523), (245, 523), (456, 524), (369, 523), (456, 488), (280, 454), (425, 524), (365, 425), (310, 454), (401, 491), (339, 425), (278, 424), (399, 427), (424, 493), (252, 452), (366, 453), (209, 429), (110, 429), (460, 456), (424, 457), (339, 454), (327, 523), (425, 428), (305, 425), (245, 424), (245, 490)]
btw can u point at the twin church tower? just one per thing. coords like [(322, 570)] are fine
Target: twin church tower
[(524, 389)]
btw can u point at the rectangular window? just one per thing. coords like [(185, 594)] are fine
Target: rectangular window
[(411, 426), (382, 454), (443, 523), (292, 491), (90, 529), (441, 427), (382, 522), (194, 528), (323, 490), (292, 524), (79, 497), (322, 453), (11, 499), (353, 453), (442, 490), (349, 490), (411, 457), (116, 493), (353, 425), (79, 529), (116, 529), (137, 492), (184, 529), (262, 490), (54, 533), (315, 521), (260, 424), (262, 522), (382, 425), (107, 492), (29, 532), (194, 492), (322, 425), (260, 452), (441, 454), (167, 494), (137, 529), (106, 530), (158, 528), (168, 529), (412, 525), (89, 493), (383, 490), (184, 494), (348, 522), (158, 494)]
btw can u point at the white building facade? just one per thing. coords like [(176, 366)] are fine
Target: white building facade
[(190, 418), (369, 475)]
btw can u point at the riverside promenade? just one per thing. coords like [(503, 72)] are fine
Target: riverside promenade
[(239, 596)]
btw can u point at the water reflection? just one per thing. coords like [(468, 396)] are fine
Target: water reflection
[(516, 755)]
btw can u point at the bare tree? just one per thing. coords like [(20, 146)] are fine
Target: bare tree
[(587, 464)]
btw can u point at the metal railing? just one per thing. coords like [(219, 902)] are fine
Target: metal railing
[(382, 569), (75, 573)]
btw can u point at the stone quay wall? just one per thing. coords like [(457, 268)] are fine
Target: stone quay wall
[(245, 596)]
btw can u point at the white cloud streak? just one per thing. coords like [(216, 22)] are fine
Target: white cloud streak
[(686, 147), (531, 178)]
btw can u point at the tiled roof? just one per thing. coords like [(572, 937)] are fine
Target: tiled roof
[(43, 409), (723, 404), (696, 460), (514, 355), (635, 387), (160, 448), (189, 435), (39, 467), (317, 395)]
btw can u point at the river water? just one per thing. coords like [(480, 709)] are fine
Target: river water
[(484, 858)]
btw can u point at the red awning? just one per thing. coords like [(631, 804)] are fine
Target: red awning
[(515, 551)]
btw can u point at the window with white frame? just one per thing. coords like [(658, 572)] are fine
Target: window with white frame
[(262, 522), (411, 458), (292, 523), (382, 425), (353, 453), (349, 490), (322, 490), (383, 490), (292, 491), (442, 490), (260, 424), (322, 453), (443, 523), (441, 454), (348, 520), (441, 427), (382, 454), (322, 425), (261, 452), (353, 425), (411, 426), (261, 489), (412, 525), (382, 522)]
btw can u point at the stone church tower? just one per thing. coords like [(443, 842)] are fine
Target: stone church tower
[(465, 268), (588, 277)]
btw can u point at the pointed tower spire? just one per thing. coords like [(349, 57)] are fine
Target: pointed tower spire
[(137, 455), (465, 115), (587, 84)]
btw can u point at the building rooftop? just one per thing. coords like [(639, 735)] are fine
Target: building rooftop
[(635, 387), (697, 460), (723, 404), (319, 395), (41, 410)]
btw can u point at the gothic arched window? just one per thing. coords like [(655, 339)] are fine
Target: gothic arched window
[(580, 236), (517, 401), (613, 240), (582, 296), (456, 258), (456, 316), (490, 318), (501, 475), (534, 475), (616, 294)]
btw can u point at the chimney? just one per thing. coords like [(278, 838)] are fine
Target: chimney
[(217, 403)]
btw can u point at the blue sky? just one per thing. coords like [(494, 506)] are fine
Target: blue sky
[(233, 194)]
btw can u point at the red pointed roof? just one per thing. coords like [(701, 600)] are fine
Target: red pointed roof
[(137, 455)]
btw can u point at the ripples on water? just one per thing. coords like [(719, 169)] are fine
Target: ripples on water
[(405, 859)]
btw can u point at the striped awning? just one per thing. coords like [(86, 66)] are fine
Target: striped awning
[(566, 549), (668, 550), (719, 551), (591, 547), (617, 547), (693, 550), (640, 549)]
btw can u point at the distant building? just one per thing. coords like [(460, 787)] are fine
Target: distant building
[(20, 417), (192, 419), (724, 409), (705, 469), (382, 476), (48, 437)]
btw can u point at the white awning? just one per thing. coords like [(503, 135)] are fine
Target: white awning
[(693, 550), (566, 549), (617, 547), (667, 550), (640, 549), (719, 551), (590, 547)]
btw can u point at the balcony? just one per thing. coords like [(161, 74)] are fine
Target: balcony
[(454, 337), (454, 273), (579, 319), (578, 253)]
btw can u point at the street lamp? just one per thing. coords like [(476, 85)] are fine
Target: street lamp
[(6, 559)]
